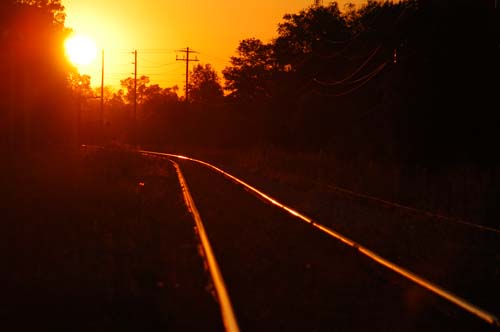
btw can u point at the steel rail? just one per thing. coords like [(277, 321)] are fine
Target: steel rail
[(423, 282), (412, 209), (396, 205), (227, 313)]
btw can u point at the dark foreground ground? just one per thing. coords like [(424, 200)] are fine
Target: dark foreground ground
[(86, 247)]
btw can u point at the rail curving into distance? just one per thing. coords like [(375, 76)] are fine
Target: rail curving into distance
[(228, 317), (436, 289)]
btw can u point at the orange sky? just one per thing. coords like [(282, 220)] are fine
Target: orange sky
[(157, 28)]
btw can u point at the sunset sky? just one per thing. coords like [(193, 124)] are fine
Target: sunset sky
[(158, 28)]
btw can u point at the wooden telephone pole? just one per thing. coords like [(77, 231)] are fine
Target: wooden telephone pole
[(187, 60), (102, 90), (135, 129)]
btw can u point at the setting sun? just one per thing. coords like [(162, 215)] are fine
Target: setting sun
[(80, 49)]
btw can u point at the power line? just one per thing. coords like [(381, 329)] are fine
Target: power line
[(135, 95), (102, 88), (367, 78), (156, 50), (362, 78), (151, 66), (357, 70), (155, 62), (217, 59)]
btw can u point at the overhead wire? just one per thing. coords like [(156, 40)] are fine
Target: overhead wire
[(348, 79), (349, 42), (359, 86), (357, 70), (219, 60)]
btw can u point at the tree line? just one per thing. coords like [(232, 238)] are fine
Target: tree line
[(408, 81), (33, 70)]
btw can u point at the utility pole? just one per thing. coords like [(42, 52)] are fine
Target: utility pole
[(135, 97), (187, 60), (102, 89)]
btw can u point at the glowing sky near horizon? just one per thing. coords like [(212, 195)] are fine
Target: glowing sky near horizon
[(157, 29)]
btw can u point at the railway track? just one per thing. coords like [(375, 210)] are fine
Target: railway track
[(227, 312), (306, 282)]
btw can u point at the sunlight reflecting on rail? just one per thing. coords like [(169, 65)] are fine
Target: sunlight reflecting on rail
[(460, 302), (228, 317)]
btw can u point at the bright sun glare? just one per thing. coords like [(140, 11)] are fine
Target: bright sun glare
[(80, 49)]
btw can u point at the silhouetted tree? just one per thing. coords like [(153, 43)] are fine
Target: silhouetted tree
[(316, 31), (80, 85), (117, 99), (249, 78), (147, 93), (205, 87), (108, 93), (36, 99), (53, 7), (129, 84)]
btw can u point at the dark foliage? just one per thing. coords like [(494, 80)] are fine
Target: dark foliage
[(35, 100), (205, 87), (405, 82)]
